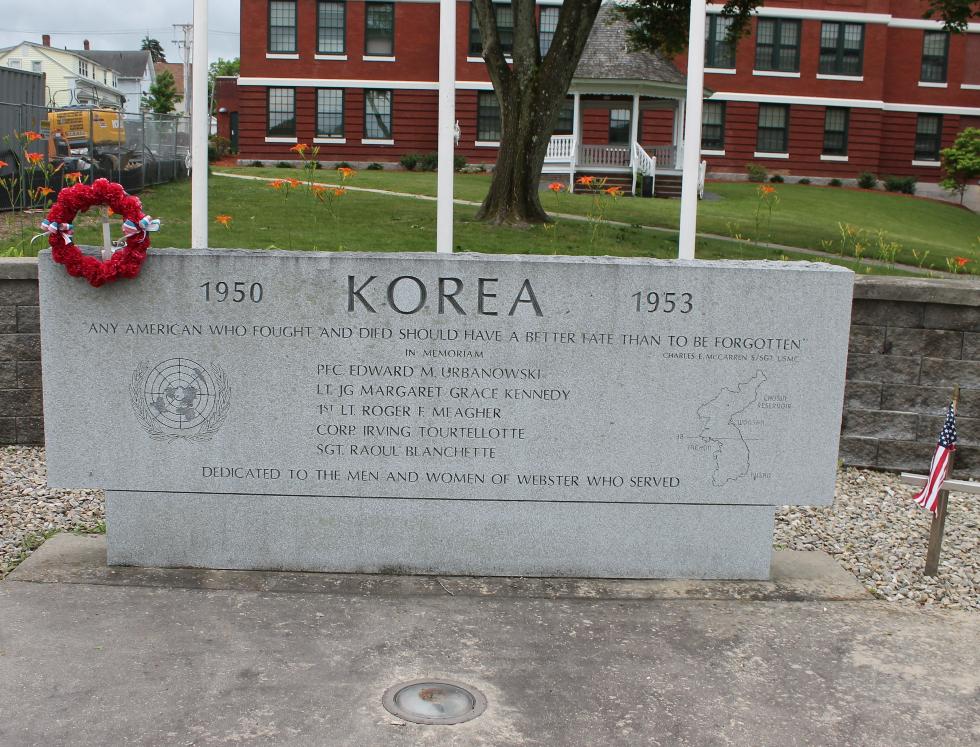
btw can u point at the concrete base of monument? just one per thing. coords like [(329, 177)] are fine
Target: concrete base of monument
[(464, 537)]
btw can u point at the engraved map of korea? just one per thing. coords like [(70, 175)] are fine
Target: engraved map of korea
[(721, 429)]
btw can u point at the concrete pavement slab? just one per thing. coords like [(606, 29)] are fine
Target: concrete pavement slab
[(90, 663)]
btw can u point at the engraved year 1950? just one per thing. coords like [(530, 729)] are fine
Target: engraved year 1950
[(665, 301), (235, 291)]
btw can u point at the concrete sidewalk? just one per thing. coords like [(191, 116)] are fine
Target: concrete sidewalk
[(91, 655)]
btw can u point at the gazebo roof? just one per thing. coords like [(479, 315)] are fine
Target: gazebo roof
[(607, 56)]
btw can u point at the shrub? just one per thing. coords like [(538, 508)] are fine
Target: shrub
[(284, 165), (256, 164), (776, 179), (428, 161), (341, 165), (458, 163), (756, 172), (835, 183), (375, 167), (317, 165), (218, 147), (867, 180), (804, 180), (409, 161), (903, 184)]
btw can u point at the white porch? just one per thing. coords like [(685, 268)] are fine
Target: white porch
[(568, 156)]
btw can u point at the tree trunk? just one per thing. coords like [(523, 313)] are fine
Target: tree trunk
[(531, 91), (514, 197)]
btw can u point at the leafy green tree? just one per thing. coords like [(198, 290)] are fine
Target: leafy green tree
[(155, 49), (961, 162), (532, 87), (162, 97)]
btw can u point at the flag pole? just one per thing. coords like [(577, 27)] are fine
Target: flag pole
[(939, 518), (447, 119), (200, 126)]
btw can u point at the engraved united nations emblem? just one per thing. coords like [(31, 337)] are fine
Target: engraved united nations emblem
[(180, 399)]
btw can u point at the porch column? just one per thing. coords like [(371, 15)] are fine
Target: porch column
[(679, 132), (576, 129), (634, 137)]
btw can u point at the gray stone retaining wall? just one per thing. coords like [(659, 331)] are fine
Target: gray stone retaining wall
[(911, 341), (20, 354)]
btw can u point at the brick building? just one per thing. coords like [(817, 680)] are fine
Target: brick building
[(818, 88)]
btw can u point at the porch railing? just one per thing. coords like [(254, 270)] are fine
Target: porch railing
[(560, 149), (599, 156), (666, 155)]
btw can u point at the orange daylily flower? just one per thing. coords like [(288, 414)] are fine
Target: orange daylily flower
[(34, 158), (278, 184), (294, 182), (614, 191), (961, 261), (2, 164), (339, 192), (43, 191), (585, 180), (32, 136), (556, 187), (317, 189), (73, 176), (765, 189), (346, 172), (299, 148), (223, 220)]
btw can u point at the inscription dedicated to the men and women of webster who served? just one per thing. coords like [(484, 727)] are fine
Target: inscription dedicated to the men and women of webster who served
[(462, 378)]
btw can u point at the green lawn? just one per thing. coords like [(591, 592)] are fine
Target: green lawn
[(262, 219), (805, 216)]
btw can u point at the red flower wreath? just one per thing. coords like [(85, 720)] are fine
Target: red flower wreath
[(79, 198)]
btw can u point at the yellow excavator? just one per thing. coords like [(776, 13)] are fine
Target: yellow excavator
[(78, 137)]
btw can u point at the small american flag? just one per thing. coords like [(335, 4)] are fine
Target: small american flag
[(929, 495)]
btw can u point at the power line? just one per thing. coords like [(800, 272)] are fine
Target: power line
[(100, 32)]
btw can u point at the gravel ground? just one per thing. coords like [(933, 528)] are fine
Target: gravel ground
[(873, 529)]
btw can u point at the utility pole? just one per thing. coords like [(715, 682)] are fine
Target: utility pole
[(185, 46)]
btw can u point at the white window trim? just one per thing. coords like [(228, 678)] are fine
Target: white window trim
[(337, 57), (281, 139), (924, 84), (281, 56), (970, 86), (846, 15), (329, 140), (377, 58), (839, 159), (775, 74), (928, 164), (487, 143), (721, 70), (474, 59), (760, 154), (376, 141), (712, 152), (829, 76)]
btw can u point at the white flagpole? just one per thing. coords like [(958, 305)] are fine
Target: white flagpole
[(447, 120), (692, 131), (200, 126)]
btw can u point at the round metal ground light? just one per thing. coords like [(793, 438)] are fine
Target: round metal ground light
[(434, 701)]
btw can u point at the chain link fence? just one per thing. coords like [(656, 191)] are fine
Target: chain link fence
[(136, 150)]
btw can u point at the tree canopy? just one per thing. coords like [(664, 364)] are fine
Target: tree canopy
[(162, 97), (155, 49)]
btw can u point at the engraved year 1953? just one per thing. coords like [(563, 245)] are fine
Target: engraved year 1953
[(235, 291), (665, 301)]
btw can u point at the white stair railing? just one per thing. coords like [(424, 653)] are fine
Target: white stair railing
[(642, 163), (702, 172)]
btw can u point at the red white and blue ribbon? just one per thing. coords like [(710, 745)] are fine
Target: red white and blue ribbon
[(53, 227), (146, 225)]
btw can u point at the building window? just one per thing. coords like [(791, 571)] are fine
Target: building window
[(15, 64), (282, 112), (619, 125), (777, 45), (82, 68), (719, 52), (841, 48), (546, 27), (935, 53), (773, 134), (330, 112), (487, 117), (928, 135), (566, 118), (377, 115), (379, 31), (330, 24), (835, 123), (505, 29), (282, 26), (713, 126), (36, 67)]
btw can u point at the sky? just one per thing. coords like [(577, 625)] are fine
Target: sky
[(111, 24)]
